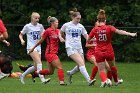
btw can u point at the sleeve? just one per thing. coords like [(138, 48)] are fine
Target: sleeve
[(24, 30), (112, 29), (92, 33), (45, 33), (63, 28), (2, 27), (84, 31), (42, 28)]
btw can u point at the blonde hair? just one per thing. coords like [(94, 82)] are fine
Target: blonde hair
[(51, 19), (34, 14), (74, 12), (101, 16)]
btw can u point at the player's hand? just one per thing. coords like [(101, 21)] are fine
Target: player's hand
[(22, 42), (133, 34), (7, 43), (31, 50), (62, 40)]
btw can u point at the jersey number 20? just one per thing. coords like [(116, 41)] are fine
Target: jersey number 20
[(102, 37)]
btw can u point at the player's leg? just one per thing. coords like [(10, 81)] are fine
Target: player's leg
[(37, 61), (109, 73), (48, 71), (114, 72), (91, 59), (111, 62), (80, 62), (57, 64)]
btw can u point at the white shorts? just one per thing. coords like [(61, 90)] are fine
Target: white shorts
[(36, 49), (71, 51)]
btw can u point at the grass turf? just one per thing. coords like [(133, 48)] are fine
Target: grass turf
[(129, 72)]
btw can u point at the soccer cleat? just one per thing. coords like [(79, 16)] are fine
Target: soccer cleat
[(108, 82), (120, 81), (103, 84), (2, 75), (69, 77), (46, 81), (92, 82), (62, 83), (21, 79)]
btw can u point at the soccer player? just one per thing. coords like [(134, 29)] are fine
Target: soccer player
[(3, 31), (73, 31), (3, 37), (33, 31), (51, 35), (91, 45), (104, 51)]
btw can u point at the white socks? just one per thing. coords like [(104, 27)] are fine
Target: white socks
[(74, 70), (84, 73), (39, 67), (29, 70)]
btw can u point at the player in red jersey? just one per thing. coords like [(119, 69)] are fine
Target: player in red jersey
[(3, 31), (104, 50), (3, 36), (52, 38), (91, 45)]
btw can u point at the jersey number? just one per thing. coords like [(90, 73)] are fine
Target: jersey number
[(74, 34), (102, 37), (35, 37)]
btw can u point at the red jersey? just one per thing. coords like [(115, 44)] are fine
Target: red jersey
[(52, 40), (91, 49), (103, 35), (2, 27)]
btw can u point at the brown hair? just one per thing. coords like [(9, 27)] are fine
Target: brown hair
[(101, 16), (51, 19), (74, 12)]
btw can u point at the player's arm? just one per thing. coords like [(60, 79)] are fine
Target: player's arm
[(6, 42), (61, 36), (4, 36), (122, 32), (21, 39), (86, 36), (90, 45), (38, 43)]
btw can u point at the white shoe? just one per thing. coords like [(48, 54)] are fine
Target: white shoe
[(21, 79), (46, 81), (2, 75), (62, 83), (120, 81), (103, 84), (92, 82), (69, 77), (109, 83)]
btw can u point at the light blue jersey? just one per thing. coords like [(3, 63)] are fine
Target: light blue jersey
[(33, 33), (73, 34)]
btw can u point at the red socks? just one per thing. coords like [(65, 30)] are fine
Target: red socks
[(114, 73), (94, 72), (44, 72), (60, 74), (109, 75), (103, 76)]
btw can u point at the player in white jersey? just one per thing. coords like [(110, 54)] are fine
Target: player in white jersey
[(33, 31), (73, 31)]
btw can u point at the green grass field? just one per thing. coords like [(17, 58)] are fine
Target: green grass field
[(129, 72)]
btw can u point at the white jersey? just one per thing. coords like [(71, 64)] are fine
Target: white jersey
[(33, 33), (73, 34)]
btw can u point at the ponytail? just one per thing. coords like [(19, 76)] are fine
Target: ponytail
[(101, 16)]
